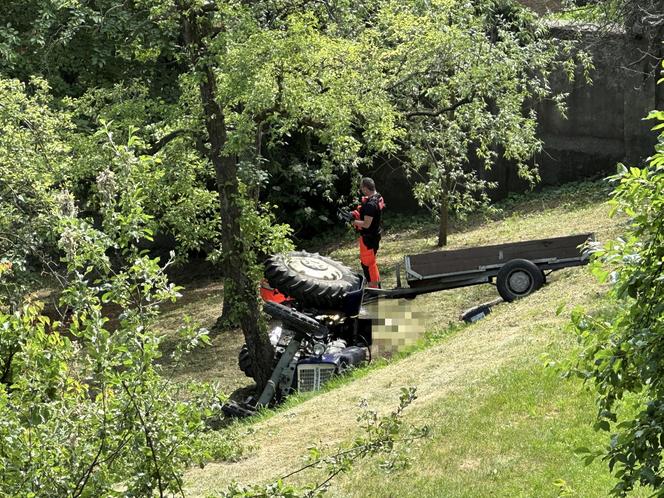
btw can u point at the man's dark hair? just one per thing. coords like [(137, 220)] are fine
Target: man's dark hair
[(368, 183)]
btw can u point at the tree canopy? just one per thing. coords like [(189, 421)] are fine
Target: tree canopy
[(222, 95)]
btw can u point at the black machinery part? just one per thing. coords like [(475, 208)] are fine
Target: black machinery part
[(291, 319)]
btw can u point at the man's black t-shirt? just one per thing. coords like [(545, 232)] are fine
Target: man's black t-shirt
[(372, 207)]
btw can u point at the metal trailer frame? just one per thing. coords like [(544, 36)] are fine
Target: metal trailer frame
[(451, 269)]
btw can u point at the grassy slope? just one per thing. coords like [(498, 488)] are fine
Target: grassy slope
[(503, 425)]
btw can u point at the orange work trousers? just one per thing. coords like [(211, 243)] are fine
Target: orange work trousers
[(369, 266)]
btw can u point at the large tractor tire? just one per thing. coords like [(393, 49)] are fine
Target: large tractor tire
[(312, 279), (245, 363)]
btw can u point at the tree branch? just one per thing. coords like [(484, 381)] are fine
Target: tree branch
[(165, 140), (148, 438), (437, 112)]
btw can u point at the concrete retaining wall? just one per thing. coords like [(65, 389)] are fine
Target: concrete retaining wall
[(604, 122)]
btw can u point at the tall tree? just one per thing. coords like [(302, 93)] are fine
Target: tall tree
[(260, 80), (223, 82), (245, 77)]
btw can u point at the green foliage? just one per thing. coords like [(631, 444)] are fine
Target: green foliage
[(78, 44), (350, 81), (34, 163), (592, 11), (84, 410), (306, 93), (464, 80), (622, 349)]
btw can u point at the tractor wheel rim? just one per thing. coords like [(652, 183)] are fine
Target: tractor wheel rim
[(315, 268)]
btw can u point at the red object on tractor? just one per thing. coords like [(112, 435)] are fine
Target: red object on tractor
[(268, 294)]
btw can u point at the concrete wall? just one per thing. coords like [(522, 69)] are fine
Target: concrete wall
[(604, 123)]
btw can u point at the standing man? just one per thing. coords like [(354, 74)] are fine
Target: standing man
[(369, 223)]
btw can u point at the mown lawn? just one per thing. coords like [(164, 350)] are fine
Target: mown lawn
[(503, 424), (512, 434)]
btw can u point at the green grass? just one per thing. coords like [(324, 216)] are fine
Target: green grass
[(502, 423), (601, 13), (513, 434)]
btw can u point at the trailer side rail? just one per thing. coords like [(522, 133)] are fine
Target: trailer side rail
[(556, 252)]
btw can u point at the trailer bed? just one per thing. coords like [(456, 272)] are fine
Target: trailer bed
[(462, 264)]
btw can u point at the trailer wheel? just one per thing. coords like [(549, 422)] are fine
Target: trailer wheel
[(312, 279), (518, 278)]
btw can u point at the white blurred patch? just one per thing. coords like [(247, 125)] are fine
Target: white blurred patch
[(394, 325)]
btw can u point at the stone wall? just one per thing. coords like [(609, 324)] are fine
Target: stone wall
[(604, 123)]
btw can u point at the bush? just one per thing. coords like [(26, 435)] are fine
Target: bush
[(623, 353)]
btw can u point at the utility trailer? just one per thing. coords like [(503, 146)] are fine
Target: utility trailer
[(518, 268)]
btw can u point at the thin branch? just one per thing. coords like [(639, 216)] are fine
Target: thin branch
[(165, 140), (437, 112), (83, 481), (329, 478), (148, 438), (362, 447)]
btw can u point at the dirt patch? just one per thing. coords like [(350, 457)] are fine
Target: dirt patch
[(469, 465)]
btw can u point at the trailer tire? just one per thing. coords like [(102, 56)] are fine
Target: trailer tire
[(518, 278), (312, 279)]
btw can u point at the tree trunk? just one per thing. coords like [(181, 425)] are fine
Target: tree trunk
[(443, 215), (239, 290)]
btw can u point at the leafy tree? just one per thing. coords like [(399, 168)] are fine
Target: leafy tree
[(276, 75), (246, 77), (34, 161), (208, 89), (78, 45), (84, 408), (622, 348), (464, 81)]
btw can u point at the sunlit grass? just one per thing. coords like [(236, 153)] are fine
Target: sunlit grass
[(503, 424)]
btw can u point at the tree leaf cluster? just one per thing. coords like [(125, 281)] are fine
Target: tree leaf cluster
[(85, 408), (622, 354)]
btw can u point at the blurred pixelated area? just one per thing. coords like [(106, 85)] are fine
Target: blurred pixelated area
[(395, 325)]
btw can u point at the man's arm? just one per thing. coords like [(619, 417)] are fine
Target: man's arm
[(365, 223)]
